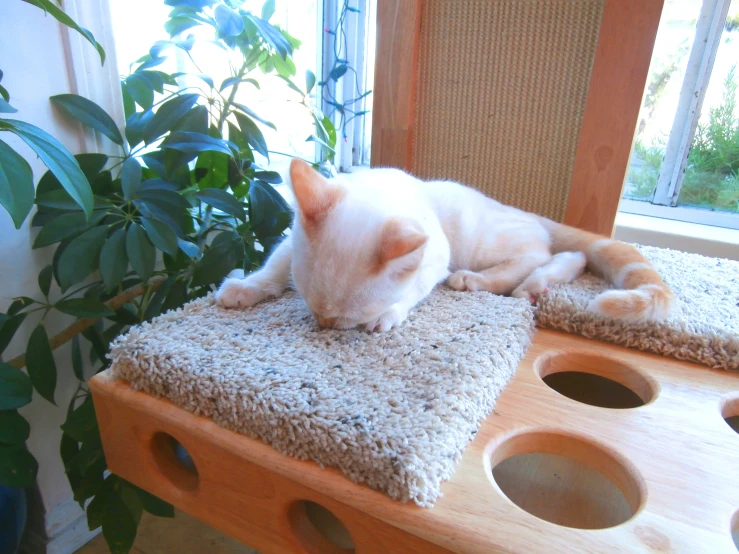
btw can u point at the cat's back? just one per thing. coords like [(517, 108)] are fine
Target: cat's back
[(387, 187)]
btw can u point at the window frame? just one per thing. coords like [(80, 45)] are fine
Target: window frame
[(709, 29), (349, 148)]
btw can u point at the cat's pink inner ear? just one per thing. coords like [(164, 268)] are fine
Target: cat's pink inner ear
[(315, 196), (399, 238)]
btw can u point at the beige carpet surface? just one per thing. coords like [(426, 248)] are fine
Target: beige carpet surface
[(393, 411), (704, 325)]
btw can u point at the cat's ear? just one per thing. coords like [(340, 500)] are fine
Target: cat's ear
[(401, 246), (315, 196)]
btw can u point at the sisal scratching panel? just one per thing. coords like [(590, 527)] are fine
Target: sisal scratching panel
[(501, 95), (703, 326), (391, 410)]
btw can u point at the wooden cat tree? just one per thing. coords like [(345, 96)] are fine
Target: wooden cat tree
[(535, 103)]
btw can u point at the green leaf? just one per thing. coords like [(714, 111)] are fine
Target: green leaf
[(84, 307), (44, 280), (140, 251), (4, 94), (252, 134), (310, 81), (15, 387), (159, 46), (90, 114), (57, 158), (156, 79), (18, 467), (129, 104), (89, 458), (168, 114), (190, 4), (223, 201), (113, 259), (57, 13), (14, 429), (177, 296), (154, 505), (119, 524), (135, 126), (251, 113), (228, 22), (40, 363), (285, 68), (196, 120), (99, 345), (268, 9), (16, 184), (185, 141), (215, 165), (131, 175), (271, 177), (6, 108), (191, 250), (8, 329), (231, 81), (81, 423), (19, 304), (178, 24), (166, 206), (80, 257), (272, 35), (237, 137), (160, 235), (155, 304), (140, 90), (77, 366), (225, 253), (65, 226)]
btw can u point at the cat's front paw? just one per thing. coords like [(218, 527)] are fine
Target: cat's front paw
[(466, 280), (390, 318), (239, 293)]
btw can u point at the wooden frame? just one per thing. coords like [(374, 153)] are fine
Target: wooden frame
[(623, 53), (673, 459)]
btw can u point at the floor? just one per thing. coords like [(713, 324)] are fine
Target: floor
[(181, 535)]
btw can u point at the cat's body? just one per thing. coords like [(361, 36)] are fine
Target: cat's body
[(367, 247)]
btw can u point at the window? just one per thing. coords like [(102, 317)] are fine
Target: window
[(314, 23), (349, 37), (685, 162)]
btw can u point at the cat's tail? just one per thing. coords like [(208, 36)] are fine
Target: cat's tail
[(644, 296)]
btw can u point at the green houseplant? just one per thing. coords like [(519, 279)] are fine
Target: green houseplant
[(183, 204)]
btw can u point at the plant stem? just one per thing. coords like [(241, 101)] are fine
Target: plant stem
[(81, 324)]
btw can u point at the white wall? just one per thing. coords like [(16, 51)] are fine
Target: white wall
[(40, 59)]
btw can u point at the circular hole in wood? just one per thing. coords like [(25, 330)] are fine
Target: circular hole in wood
[(596, 380), (174, 461), (731, 414), (567, 480), (318, 530)]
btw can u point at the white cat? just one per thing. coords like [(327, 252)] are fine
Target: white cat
[(367, 247)]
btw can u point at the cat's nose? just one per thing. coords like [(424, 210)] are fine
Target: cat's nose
[(327, 321)]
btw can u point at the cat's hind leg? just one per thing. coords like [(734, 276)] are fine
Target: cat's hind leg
[(269, 281), (504, 277), (562, 268)]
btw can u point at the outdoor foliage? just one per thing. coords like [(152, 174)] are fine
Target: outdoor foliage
[(712, 172), (145, 231)]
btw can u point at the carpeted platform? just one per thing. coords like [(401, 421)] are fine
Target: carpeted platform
[(393, 410), (703, 328)]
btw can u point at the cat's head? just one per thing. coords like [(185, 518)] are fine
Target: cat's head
[(350, 261)]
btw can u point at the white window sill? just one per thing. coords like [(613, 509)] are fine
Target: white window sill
[(688, 237)]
